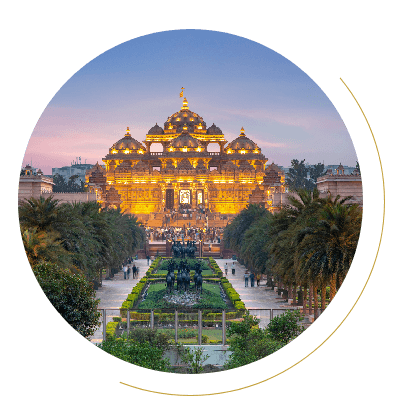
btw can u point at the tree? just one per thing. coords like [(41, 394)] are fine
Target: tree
[(327, 248), (71, 295), (41, 213), (249, 343), (316, 171), (143, 354), (235, 231), (90, 236), (254, 248), (300, 213), (285, 327), (60, 185), (303, 176), (297, 176), (194, 359), (44, 247)]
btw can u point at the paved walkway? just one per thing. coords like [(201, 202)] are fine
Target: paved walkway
[(253, 297), (114, 292)]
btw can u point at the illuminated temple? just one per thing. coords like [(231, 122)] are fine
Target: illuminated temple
[(185, 174)]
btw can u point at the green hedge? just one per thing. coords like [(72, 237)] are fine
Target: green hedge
[(133, 297), (110, 329)]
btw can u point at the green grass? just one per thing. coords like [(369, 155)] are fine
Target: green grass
[(210, 298), (212, 334)]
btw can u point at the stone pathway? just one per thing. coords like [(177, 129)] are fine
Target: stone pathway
[(257, 297), (114, 292)]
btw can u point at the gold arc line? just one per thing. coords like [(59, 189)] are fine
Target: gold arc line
[(369, 276)]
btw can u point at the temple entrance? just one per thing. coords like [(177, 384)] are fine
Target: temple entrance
[(185, 196), (169, 199)]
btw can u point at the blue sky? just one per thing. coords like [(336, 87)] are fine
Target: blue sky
[(228, 80)]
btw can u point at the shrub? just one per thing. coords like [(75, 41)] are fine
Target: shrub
[(239, 305), (248, 343), (143, 354), (151, 336), (285, 327), (110, 329), (71, 295)]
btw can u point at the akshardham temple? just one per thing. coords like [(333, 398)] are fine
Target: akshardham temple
[(185, 174)]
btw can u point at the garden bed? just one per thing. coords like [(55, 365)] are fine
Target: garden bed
[(151, 293)]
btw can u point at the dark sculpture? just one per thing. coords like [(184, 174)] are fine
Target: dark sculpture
[(198, 279), (183, 275), (180, 251)]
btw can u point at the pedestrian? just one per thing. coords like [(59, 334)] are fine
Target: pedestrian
[(148, 259), (125, 269), (226, 269), (246, 278), (252, 279), (128, 271), (258, 277), (233, 268)]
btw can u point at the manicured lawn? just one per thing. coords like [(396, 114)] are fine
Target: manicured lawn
[(210, 298), (212, 334)]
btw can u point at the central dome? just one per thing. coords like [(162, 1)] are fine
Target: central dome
[(184, 117), (186, 141)]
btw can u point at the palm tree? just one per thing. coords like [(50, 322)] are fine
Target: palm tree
[(38, 213), (44, 247), (326, 249), (300, 213)]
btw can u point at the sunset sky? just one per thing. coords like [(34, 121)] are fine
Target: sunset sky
[(228, 80)]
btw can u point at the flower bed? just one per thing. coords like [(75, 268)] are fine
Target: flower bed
[(153, 276)]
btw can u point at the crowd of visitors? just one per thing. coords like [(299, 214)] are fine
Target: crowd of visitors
[(248, 275), (129, 266), (185, 212), (210, 235)]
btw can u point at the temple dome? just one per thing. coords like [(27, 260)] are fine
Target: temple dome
[(242, 143), (156, 130), (184, 117), (128, 142), (185, 140), (214, 130)]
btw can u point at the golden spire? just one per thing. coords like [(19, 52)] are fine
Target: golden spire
[(127, 132), (185, 105), (242, 132), (181, 93)]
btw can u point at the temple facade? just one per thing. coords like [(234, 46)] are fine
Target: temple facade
[(184, 174)]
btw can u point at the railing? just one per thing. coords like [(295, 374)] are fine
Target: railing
[(203, 326)]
